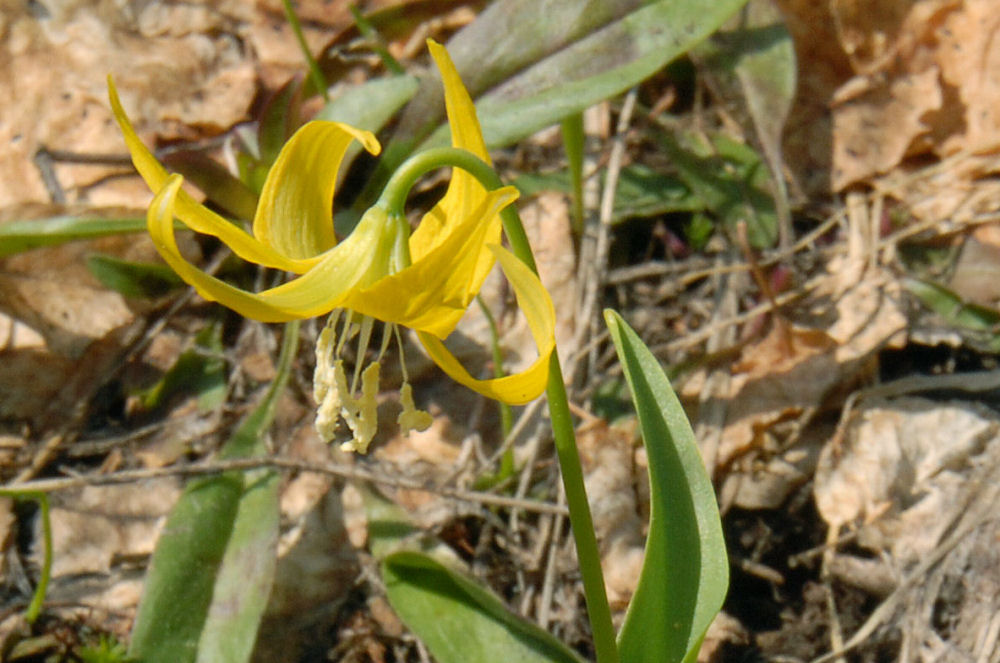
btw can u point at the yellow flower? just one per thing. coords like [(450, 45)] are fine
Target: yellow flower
[(424, 280)]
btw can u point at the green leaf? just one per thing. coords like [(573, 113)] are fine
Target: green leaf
[(730, 179), (18, 236), (685, 574), (641, 193), (219, 186), (213, 567), (133, 279), (459, 620), (980, 323), (756, 61), (531, 63), (371, 105), (199, 371)]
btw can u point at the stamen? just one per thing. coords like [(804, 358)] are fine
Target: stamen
[(359, 361), (337, 401), (410, 418), (361, 414)]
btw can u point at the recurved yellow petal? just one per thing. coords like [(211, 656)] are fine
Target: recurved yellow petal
[(534, 301), (355, 262), (464, 193), (194, 216), (295, 212), (431, 294)]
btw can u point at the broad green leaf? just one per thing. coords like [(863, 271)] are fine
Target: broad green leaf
[(458, 619), (531, 63), (18, 236), (211, 573), (133, 279), (370, 106), (685, 574), (243, 584)]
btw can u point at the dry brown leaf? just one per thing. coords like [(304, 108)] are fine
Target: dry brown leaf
[(875, 129), (606, 454), (900, 472), (898, 79), (779, 379), (969, 57), (175, 65), (976, 275), (98, 534)]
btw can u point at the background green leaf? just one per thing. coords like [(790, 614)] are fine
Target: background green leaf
[(753, 58), (458, 619), (730, 179), (18, 236), (531, 63), (133, 279), (213, 567), (685, 573), (642, 192)]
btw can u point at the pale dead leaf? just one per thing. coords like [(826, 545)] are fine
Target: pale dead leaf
[(175, 65), (872, 132), (98, 534), (899, 472), (777, 381), (606, 454), (976, 275), (969, 57)]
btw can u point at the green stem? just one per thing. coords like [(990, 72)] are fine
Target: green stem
[(315, 73), (506, 415), (394, 200), (35, 607), (573, 142), (369, 32)]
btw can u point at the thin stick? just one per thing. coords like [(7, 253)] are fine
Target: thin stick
[(279, 462)]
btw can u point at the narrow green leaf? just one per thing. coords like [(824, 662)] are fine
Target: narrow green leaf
[(981, 324), (574, 141), (755, 60), (459, 620), (133, 279), (19, 236), (213, 566), (685, 574)]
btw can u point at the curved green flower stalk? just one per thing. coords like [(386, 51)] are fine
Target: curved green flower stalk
[(424, 280)]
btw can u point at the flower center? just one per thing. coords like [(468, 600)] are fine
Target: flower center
[(358, 408)]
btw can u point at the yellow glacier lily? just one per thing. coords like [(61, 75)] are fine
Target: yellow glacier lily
[(424, 280)]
